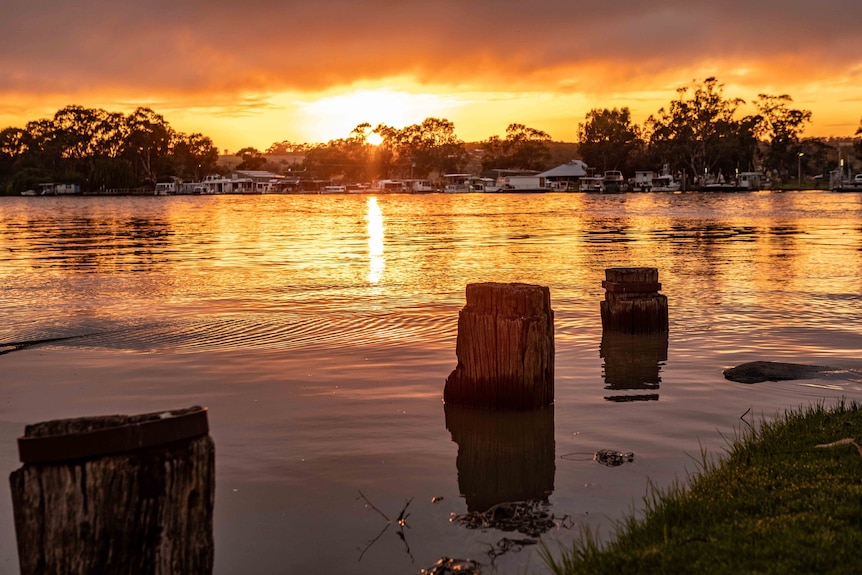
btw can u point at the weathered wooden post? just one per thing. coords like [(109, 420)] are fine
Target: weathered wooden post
[(632, 303), (116, 494), (505, 348)]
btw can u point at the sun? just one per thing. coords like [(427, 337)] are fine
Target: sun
[(374, 139), (335, 116)]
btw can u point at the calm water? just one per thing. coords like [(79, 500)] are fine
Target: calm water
[(319, 330)]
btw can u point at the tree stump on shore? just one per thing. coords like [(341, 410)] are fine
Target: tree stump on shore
[(632, 303), (116, 494), (505, 348)]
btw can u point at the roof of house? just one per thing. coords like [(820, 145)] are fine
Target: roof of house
[(257, 174), (574, 168)]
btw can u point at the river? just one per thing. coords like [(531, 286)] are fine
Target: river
[(319, 330)]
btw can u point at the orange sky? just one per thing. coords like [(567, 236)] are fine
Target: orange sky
[(256, 72)]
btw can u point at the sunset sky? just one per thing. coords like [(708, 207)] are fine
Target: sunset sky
[(261, 71)]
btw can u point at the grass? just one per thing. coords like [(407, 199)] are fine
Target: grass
[(776, 503)]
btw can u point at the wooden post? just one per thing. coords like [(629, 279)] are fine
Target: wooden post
[(502, 456), (632, 303), (116, 494), (505, 348)]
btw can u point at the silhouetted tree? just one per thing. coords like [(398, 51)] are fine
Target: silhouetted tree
[(699, 132), (523, 148), (609, 141), (194, 156), (857, 142), (251, 158), (423, 149), (780, 128), (147, 144)]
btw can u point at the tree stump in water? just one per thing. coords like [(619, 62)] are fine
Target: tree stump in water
[(632, 303), (505, 348), (116, 494)]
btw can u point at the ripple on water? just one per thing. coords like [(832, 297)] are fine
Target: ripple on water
[(252, 331)]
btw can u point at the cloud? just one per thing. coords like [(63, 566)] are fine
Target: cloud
[(202, 47), (234, 58)]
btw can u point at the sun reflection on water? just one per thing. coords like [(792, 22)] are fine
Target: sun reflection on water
[(376, 261)]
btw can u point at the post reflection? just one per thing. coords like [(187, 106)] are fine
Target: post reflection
[(632, 365), (376, 262), (503, 456)]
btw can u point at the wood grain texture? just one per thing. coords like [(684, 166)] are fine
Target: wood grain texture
[(148, 511), (505, 348), (633, 312)]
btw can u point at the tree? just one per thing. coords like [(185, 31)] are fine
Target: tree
[(857, 142), (345, 158), (286, 147), (146, 144), (251, 158), (608, 140), (780, 127), (423, 149), (699, 133), (523, 148), (194, 156)]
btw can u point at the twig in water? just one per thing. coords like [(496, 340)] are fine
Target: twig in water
[(402, 522), (372, 506), (402, 518), (742, 417)]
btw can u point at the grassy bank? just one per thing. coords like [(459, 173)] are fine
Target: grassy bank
[(778, 502)]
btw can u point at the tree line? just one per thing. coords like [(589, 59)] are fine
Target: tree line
[(700, 132), (101, 150)]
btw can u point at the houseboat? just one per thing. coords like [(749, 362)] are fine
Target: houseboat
[(614, 182), (743, 182), (593, 184)]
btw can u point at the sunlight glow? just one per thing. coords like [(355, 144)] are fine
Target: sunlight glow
[(374, 139), (376, 262), (336, 116)]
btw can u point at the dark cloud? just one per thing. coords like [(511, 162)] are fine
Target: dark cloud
[(155, 45)]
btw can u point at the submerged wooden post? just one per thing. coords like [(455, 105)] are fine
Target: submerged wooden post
[(632, 303), (116, 494), (505, 348)]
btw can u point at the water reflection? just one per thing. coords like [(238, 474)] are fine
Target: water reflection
[(633, 365), (503, 456), (376, 262)]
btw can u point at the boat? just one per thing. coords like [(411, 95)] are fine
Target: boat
[(460, 184), (357, 188), (642, 182), (665, 182), (418, 186), (388, 187), (744, 182), (592, 184), (523, 184), (839, 183), (613, 182), (334, 189), (29, 193)]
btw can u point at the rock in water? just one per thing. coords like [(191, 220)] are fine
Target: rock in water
[(758, 371)]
